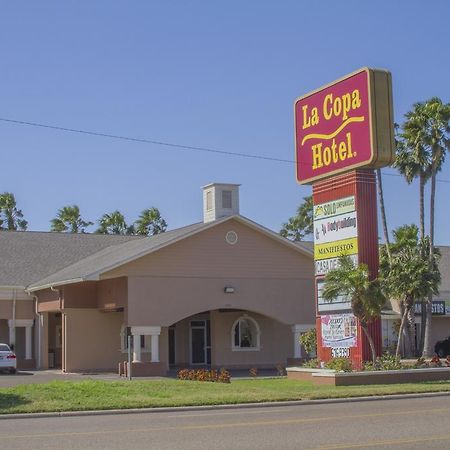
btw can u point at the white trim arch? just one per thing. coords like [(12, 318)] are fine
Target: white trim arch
[(251, 348)]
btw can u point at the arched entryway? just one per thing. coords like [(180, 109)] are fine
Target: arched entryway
[(231, 338)]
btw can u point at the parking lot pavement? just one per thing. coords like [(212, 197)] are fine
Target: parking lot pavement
[(44, 376)]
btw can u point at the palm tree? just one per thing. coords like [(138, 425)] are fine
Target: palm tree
[(150, 222), (11, 218), (412, 156), (302, 224), (69, 220), (421, 153), (435, 137), (366, 296), (407, 277), (114, 223)]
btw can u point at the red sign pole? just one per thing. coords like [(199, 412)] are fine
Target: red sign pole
[(360, 184)]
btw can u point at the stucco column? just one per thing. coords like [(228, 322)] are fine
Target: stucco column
[(155, 348), (12, 333), (28, 347), (136, 347), (297, 330)]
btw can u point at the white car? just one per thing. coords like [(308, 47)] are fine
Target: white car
[(8, 360)]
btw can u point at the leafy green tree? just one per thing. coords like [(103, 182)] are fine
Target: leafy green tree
[(366, 295), (150, 222), (68, 219), (11, 218), (114, 223), (302, 224), (408, 277)]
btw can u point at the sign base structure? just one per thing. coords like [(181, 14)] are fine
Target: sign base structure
[(345, 222)]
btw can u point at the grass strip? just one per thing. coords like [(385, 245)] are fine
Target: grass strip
[(97, 395)]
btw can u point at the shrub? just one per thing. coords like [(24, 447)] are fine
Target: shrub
[(420, 364), (309, 341), (204, 375), (435, 361), (281, 370), (386, 361), (224, 376), (313, 363), (339, 364)]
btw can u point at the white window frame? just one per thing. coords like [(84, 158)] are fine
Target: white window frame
[(257, 347)]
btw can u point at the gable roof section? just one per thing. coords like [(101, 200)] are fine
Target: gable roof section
[(111, 257), (28, 256)]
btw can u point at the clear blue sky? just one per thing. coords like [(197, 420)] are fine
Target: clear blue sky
[(213, 74)]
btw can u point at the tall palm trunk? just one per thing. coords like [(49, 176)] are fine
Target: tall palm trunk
[(400, 333), (428, 318), (383, 214), (422, 205), (423, 323), (411, 328), (371, 343)]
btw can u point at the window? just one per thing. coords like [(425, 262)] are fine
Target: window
[(226, 199), (209, 201), (245, 334)]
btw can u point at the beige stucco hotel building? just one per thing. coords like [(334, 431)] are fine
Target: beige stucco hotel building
[(225, 292)]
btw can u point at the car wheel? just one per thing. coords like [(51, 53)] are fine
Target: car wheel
[(12, 371), (441, 353)]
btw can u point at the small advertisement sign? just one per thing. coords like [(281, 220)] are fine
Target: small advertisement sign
[(338, 330), (335, 228), (336, 249), (323, 266), (334, 208), (438, 308), (339, 303)]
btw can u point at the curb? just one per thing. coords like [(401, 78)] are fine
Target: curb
[(110, 412)]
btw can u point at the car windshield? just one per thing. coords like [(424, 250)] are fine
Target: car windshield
[(4, 348)]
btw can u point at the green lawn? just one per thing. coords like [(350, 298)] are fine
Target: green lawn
[(91, 395)]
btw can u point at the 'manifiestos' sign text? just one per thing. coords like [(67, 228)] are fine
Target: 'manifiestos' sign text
[(345, 125)]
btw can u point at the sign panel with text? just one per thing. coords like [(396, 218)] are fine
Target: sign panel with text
[(338, 330), (345, 125)]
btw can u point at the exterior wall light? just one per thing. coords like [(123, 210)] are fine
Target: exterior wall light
[(228, 290)]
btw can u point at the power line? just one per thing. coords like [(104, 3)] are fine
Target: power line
[(145, 141), (167, 144)]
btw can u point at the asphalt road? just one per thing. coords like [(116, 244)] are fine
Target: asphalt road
[(389, 424)]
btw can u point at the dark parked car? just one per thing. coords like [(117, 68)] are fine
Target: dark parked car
[(442, 348)]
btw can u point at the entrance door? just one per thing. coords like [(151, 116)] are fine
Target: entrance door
[(200, 342)]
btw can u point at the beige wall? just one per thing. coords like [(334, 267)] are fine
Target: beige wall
[(92, 340), (164, 301), (80, 295), (49, 300), (276, 340), (440, 329), (24, 304), (189, 277), (112, 293), (4, 331), (24, 309)]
